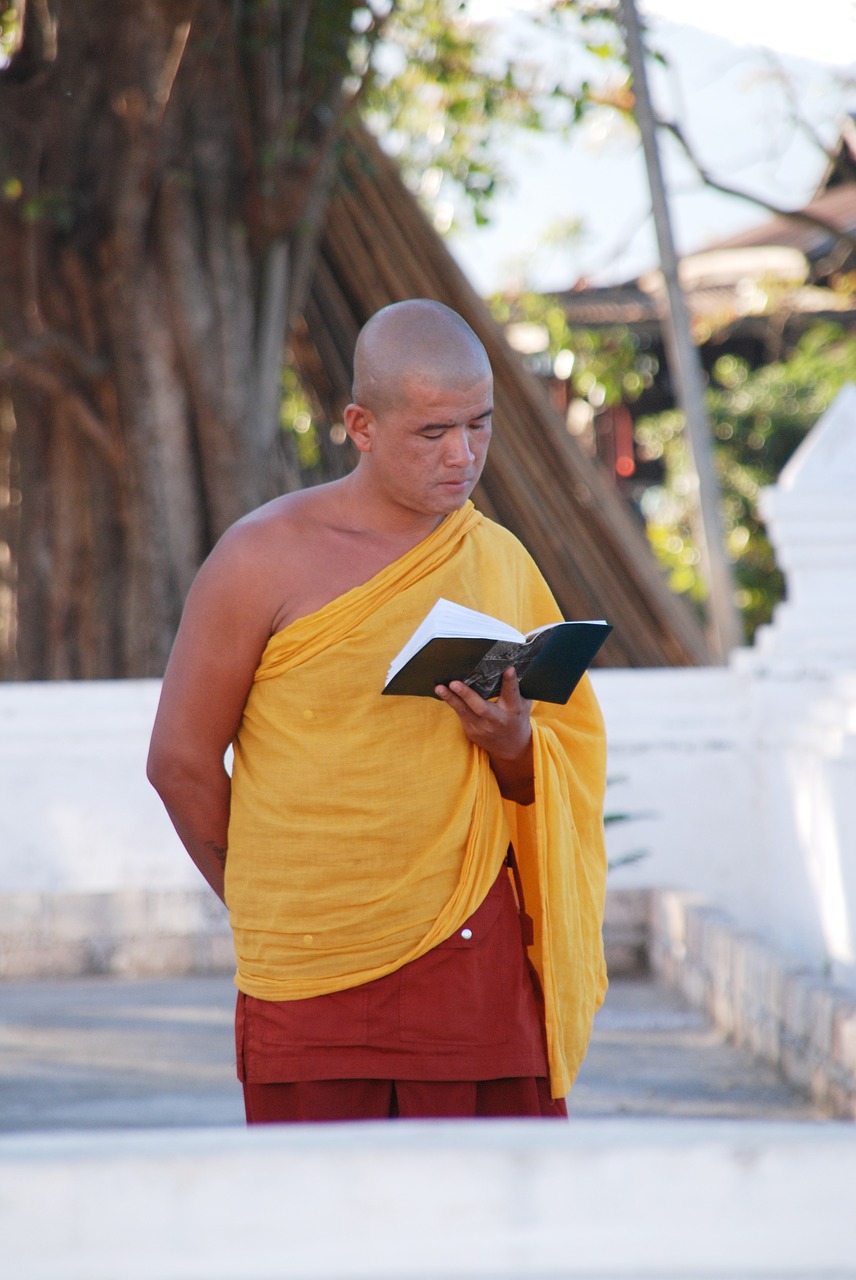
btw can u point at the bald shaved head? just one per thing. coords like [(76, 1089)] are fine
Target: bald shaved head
[(414, 343)]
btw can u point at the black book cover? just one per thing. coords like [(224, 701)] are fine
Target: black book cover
[(550, 664)]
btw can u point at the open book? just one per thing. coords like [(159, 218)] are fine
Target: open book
[(456, 643)]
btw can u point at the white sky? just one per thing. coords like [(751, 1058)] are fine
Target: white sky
[(822, 30), (725, 95)]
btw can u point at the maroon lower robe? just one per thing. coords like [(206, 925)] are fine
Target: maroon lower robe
[(457, 1033)]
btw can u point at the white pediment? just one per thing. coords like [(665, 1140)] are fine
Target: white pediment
[(826, 459)]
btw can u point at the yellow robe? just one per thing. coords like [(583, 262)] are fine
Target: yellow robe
[(365, 829)]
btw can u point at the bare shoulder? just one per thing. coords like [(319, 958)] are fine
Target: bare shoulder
[(231, 610), (262, 543), (292, 516), (258, 568), (262, 528)]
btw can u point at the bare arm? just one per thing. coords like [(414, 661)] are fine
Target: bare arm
[(503, 729), (224, 628)]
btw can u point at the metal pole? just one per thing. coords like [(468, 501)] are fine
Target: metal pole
[(724, 622)]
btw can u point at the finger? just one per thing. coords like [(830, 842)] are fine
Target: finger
[(446, 692), (448, 695), (461, 698), (510, 695), (473, 701)]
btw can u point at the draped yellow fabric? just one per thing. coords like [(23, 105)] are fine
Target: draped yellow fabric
[(365, 829)]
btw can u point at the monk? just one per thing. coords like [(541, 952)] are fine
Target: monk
[(415, 886)]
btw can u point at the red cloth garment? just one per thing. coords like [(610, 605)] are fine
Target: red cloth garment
[(467, 1011), (339, 1100)]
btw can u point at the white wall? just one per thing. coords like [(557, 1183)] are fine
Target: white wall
[(748, 789), (679, 758), (76, 812)]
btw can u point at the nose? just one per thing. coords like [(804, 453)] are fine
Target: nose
[(458, 449)]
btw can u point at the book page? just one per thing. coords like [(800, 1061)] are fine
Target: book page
[(599, 622), (447, 618)]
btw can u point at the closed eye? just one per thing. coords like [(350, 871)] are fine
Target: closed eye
[(437, 431)]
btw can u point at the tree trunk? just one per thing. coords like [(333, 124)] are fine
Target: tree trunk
[(159, 156)]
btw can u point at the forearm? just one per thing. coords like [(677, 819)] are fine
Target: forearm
[(516, 774), (198, 807)]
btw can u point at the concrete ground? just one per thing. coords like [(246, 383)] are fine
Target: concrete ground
[(105, 1054), (653, 1055)]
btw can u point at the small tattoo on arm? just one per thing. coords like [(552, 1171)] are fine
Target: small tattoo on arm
[(218, 851)]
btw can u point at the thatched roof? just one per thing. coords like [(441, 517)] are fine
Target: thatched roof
[(378, 247)]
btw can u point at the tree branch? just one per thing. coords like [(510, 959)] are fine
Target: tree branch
[(844, 239), (172, 62), (293, 51), (15, 367), (59, 347), (800, 121)]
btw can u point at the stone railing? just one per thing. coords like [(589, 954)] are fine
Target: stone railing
[(786, 1014)]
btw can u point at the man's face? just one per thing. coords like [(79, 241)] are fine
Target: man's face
[(428, 452)]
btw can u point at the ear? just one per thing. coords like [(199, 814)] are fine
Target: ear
[(359, 424)]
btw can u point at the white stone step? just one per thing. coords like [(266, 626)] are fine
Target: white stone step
[(487, 1200)]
